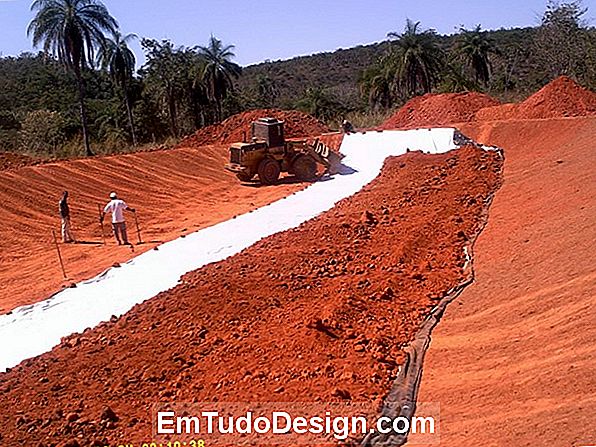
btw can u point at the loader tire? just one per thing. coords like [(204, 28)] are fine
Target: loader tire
[(305, 168), (269, 171)]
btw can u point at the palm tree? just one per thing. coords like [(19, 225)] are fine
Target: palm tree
[(376, 84), (218, 71), (476, 47), (116, 57), (419, 59), (71, 30)]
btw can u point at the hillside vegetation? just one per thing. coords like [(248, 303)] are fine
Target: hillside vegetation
[(182, 89)]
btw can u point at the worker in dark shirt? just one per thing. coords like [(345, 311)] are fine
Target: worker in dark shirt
[(347, 126), (67, 236)]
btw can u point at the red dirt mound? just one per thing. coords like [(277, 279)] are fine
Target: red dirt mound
[(561, 98), (497, 113), (236, 127), (10, 160), (348, 289), (437, 110)]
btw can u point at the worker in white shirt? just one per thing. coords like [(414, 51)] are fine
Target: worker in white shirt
[(117, 208)]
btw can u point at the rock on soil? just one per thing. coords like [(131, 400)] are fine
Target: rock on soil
[(320, 312), (439, 109), (237, 127)]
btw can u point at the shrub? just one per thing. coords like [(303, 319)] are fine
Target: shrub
[(42, 132)]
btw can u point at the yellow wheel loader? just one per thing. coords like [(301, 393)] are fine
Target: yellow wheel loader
[(268, 154)]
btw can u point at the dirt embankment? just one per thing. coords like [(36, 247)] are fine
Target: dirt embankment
[(11, 160), (237, 127), (512, 361), (561, 98), (318, 312), (438, 110), (174, 192)]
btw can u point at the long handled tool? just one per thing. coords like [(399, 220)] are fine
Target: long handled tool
[(103, 233), (59, 254), (138, 229)]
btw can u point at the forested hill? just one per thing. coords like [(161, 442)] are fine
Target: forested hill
[(180, 89), (517, 71), (338, 71)]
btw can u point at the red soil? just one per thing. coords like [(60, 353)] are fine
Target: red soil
[(512, 362), (563, 97), (497, 113), (438, 110), (174, 191), (10, 160), (350, 288), (237, 127)]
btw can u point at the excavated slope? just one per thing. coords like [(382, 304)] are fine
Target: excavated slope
[(348, 290), (174, 192), (512, 362)]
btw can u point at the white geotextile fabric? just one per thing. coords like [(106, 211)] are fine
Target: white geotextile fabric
[(32, 330)]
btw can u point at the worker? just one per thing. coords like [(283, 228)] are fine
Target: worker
[(67, 236), (347, 126), (117, 208)]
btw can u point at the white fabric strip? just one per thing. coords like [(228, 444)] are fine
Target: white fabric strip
[(32, 330)]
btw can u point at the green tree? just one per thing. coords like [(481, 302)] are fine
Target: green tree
[(72, 30), (117, 58), (475, 47), (169, 73), (267, 91), (418, 59), (218, 72), (563, 42), (376, 84), (42, 131), (321, 104)]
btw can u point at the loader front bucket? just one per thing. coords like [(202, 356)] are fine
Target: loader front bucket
[(325, 156)]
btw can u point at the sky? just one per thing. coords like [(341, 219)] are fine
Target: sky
[(271, 30)]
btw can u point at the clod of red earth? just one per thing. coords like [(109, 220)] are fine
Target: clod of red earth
[(438, 109), (237, 127), (71, 443), (561, 98), (238, 330)]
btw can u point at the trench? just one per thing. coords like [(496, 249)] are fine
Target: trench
[(35, 329)]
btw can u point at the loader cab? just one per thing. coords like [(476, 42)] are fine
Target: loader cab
[(269, 130)]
